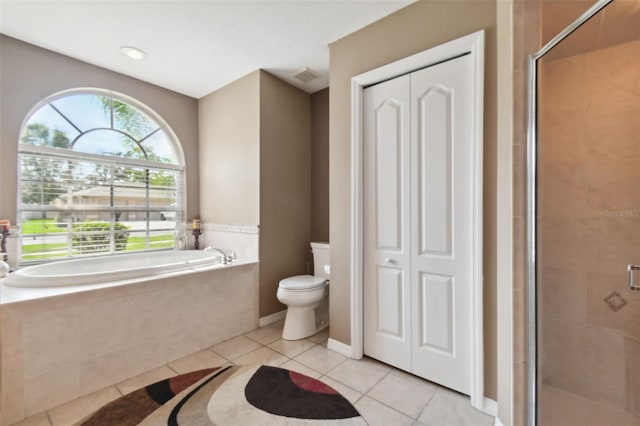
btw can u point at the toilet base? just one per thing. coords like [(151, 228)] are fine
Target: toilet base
[(302, 322)]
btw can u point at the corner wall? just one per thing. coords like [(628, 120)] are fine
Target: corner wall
[(255, 155), (320, 165), (285, 187), (413, 29)]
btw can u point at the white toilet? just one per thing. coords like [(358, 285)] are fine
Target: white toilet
[(307, 297)]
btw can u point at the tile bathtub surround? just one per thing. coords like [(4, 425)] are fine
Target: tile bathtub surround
[(242, 239), (58, 349), (382, 394)]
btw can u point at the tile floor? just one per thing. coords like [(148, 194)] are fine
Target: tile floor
[(382, 394)]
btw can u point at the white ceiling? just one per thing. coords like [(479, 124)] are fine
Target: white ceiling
[(195, 47)]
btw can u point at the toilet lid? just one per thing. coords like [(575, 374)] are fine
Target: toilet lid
[(302, 282)]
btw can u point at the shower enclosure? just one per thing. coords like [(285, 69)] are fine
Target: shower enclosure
[(584, 221)]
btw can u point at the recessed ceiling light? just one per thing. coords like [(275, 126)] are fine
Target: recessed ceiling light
[(133, 52)]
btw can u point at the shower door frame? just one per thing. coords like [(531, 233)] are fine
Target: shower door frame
[(532, 149)]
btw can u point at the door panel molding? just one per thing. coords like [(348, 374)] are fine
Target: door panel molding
[(472, 44)]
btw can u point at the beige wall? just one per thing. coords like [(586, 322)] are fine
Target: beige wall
[(285, 187), (255, 155), (320, 165), (229, 124), (30, 74), (413, 29)]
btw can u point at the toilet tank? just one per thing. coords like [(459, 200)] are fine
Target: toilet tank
[(320, 259)]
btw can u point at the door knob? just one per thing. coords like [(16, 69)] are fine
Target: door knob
[(389, 260)]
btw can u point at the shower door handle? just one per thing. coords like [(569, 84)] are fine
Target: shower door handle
[(631, 269)]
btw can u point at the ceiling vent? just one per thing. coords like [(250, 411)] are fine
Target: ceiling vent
[(306, 74)]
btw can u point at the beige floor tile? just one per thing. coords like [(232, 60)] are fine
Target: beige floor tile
[(291, 348), (360, 375), (320, 359), (76, 410), (452, 409), (145, 379), (407, 396), (262, 356), (352, 395), (235, 348), (266, 335), (198, 361), (378, 414), (37, 420), (302, 369), (320, 337)]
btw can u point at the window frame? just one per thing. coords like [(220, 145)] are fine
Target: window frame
[(47, 152)]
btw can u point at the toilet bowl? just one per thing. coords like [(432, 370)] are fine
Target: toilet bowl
[(307, 297)]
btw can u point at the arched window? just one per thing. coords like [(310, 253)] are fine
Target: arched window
[(100, 173)]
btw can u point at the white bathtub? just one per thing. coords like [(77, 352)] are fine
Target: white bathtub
[(112, 268)]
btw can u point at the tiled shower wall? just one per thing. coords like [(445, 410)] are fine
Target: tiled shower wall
[(589, 207)]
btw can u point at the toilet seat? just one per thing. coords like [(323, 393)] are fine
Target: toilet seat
[(302, 282)]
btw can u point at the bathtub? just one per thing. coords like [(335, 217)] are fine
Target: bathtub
[(83, 330), (112, 268)]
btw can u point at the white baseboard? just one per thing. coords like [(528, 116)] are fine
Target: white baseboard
[(490, 407), (270, 319), (339, 347)]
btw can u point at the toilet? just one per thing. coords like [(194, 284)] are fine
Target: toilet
[(307, 297)]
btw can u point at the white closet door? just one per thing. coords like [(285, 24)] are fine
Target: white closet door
[(387, 237), (441, 222)]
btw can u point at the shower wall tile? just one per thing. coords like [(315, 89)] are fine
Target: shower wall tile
[(613, 187), (613, 73), (561, 352), (604, 366), (632, 374), (613, 243), (565, 86), (613, 129), (568, 131), (600, 314), (564, 243), (590, 207), (563, 189), (563, 294)]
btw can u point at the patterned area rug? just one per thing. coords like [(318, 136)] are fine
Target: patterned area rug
[(233, 395)]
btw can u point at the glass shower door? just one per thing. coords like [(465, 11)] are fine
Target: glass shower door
[(588, 223)]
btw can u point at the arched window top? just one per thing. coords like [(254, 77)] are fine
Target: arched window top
[(102, 123)]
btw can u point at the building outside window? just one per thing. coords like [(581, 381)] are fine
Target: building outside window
[(100, 174)]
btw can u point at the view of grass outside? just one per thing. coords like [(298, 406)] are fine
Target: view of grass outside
[(52, 250)]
